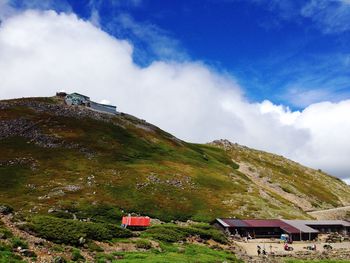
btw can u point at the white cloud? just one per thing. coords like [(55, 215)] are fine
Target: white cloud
[(42, 52), (330, 16), (6, 10), (152, 39)]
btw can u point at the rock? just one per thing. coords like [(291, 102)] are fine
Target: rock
[(27, 253), (5, 209), (82, 240)]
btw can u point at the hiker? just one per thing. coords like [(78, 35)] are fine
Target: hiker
[(264, 252)]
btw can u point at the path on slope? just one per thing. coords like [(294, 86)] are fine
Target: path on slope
[(332, 214), (263, 183)]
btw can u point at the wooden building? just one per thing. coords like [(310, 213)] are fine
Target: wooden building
[(274, 228)]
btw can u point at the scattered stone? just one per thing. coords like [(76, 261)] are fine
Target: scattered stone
[(82, 240), (5, 209), (27, 253), (72, 188)]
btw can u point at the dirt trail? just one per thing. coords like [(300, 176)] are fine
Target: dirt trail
[(262, 182), (41, 247), (278, 248), (331, 214)]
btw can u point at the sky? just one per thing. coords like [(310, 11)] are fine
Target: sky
[(272, 75)]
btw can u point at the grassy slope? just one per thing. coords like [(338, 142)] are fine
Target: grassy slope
[(173, 253), (319, 189), (139, 168)]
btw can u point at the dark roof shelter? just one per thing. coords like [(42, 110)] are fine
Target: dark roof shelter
[(274, 228)]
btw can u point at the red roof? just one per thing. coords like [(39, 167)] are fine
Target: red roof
[(263, 222), (136, 221), (272, 223)]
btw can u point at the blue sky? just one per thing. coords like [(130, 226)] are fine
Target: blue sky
[(291, 52), (269, 74)]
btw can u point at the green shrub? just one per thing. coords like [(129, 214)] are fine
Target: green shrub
[(6, 255), (17, 242), (101, 213), (93, 247), (5, 247), (62, 214), (76, 256), (235, 165), (69, 231), (143, 244), (5, 233), (103, 258)]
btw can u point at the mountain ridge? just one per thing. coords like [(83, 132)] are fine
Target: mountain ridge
[(62, 157)]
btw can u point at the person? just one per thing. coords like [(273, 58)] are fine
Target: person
[(286, 247), (264, 252), (258, 250)]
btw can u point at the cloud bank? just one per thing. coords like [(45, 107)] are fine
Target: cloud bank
[(43, 52)]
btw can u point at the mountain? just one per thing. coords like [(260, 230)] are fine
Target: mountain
[(55, 157)]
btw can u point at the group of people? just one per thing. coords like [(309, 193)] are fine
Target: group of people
[(261, 251)]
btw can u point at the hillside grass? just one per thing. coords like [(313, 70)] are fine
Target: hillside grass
[(317, 261), (7, 256), (174, 254), (139, 168), (322, 190), (174, 233)]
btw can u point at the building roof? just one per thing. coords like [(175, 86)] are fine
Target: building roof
[(80, 95), (298, 224), (324, 222), (136, 221), (263, 222), (256, 223), (289, 226), (229, 222), (272, 223), (104, 105)]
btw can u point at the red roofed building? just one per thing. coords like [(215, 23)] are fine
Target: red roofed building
[(136, 221)]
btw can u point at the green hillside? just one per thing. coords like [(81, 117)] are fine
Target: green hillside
[(58, 157)]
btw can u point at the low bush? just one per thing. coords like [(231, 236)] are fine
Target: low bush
[(100, 213), (69, 231), (93, 247), (5, 233), (17, 242), (103, 258), (6, 255), (143, 244), (77, 256)]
